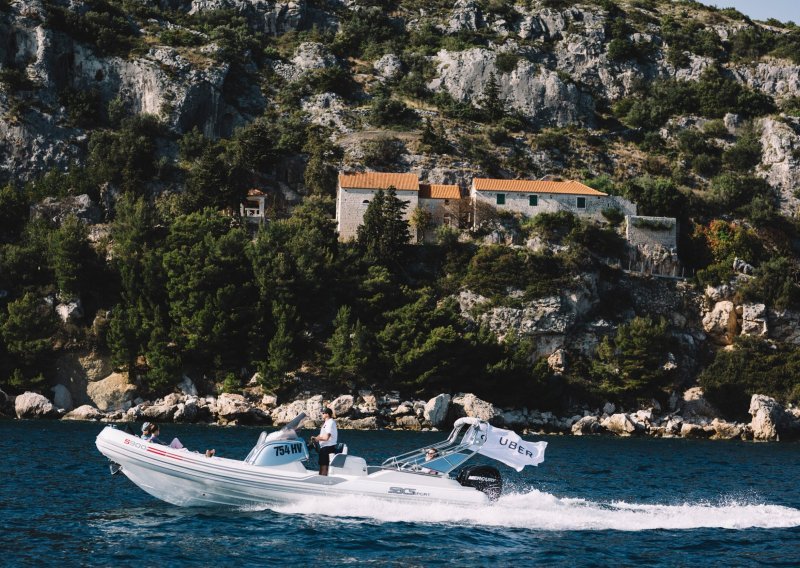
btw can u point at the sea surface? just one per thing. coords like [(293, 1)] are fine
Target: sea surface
[(593, 502)]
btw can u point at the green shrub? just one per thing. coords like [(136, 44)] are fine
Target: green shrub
[(495, 269), (84, 107), (506, 62), (630, 365), (180, 37), (744, 155), (104, 26), (613, 215), (774, 284), (384, 152), (753, 367), (386, 111)]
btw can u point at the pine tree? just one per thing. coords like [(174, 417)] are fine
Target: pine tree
[(280, 353), (163, 360), (347, 345), (27, 329), (70, 254), (494, 105), (384, 233)]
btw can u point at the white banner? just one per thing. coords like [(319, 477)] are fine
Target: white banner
[(506, 446)]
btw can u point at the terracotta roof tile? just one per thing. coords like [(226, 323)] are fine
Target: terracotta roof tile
[(533, 186), (438, 191), (255, 192), (378, 180)]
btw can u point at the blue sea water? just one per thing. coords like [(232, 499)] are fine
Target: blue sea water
[(593, 502)]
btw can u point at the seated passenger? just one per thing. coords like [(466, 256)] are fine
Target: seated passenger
[(150, 433), (430, 454)]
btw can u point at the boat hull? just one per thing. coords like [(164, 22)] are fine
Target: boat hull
[(186, 478)]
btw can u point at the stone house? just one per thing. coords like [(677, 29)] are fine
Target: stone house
[(356, 190), (444, 205), (531, 197)]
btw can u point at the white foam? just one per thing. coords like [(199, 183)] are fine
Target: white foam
[(541, 511)]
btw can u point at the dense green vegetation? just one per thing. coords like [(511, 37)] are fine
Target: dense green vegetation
[(181, 285)]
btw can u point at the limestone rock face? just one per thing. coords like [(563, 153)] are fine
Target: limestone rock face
[(285, 413), (436, 409), (309, 56), (70, 311), (696, 431), (114, 392), (470, 405), (368, 423), (56, 210), (84, 412), (234, 407), (767, 414), (619, 424), (721, 324), (270, 17), (465, 17), (388, 67), (342, 405), (536, 92), (408, 423), (781, 168), (754, 320), (694, 405), (76, 370), (726, 430), (587, 425), (784, 326), (34, 405)]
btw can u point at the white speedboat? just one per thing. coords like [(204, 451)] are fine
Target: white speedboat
[(273, 471)]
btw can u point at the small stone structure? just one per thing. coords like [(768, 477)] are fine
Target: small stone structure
[(641, 230)]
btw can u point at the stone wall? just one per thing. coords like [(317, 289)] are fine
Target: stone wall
[(520, 202), (641, 230), (351, 204)]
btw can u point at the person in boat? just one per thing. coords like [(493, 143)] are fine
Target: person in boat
[(150, 432), (327, 439), (430, 454)]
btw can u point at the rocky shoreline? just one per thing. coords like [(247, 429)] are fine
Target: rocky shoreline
[(689, 416)]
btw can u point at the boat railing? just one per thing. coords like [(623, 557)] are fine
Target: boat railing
[(464, 441)]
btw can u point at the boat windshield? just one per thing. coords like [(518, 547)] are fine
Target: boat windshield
[(466, 438)]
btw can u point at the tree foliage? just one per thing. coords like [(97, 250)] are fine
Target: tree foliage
[(631, 365), (384, 232)]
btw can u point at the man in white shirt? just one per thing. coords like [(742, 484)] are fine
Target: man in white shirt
[(327, 439)]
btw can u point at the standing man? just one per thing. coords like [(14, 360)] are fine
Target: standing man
[(327, 440)]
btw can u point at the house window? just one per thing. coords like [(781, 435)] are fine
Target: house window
[(533, 200), (501, 198), (580, 203)]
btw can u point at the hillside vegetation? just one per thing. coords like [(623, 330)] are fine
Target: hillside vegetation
[(166, 113)]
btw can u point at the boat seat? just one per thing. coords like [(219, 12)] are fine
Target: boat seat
[(347, 465)]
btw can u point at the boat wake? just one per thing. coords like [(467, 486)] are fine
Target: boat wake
[(541, 511)]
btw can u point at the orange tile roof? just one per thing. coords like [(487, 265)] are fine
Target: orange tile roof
[(255, 192), (378, 180), (438, 191), (533, 186)]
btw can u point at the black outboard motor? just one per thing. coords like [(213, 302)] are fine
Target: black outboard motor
[(484, 478)]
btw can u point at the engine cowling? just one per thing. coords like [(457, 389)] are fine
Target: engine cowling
[(484, 478)]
